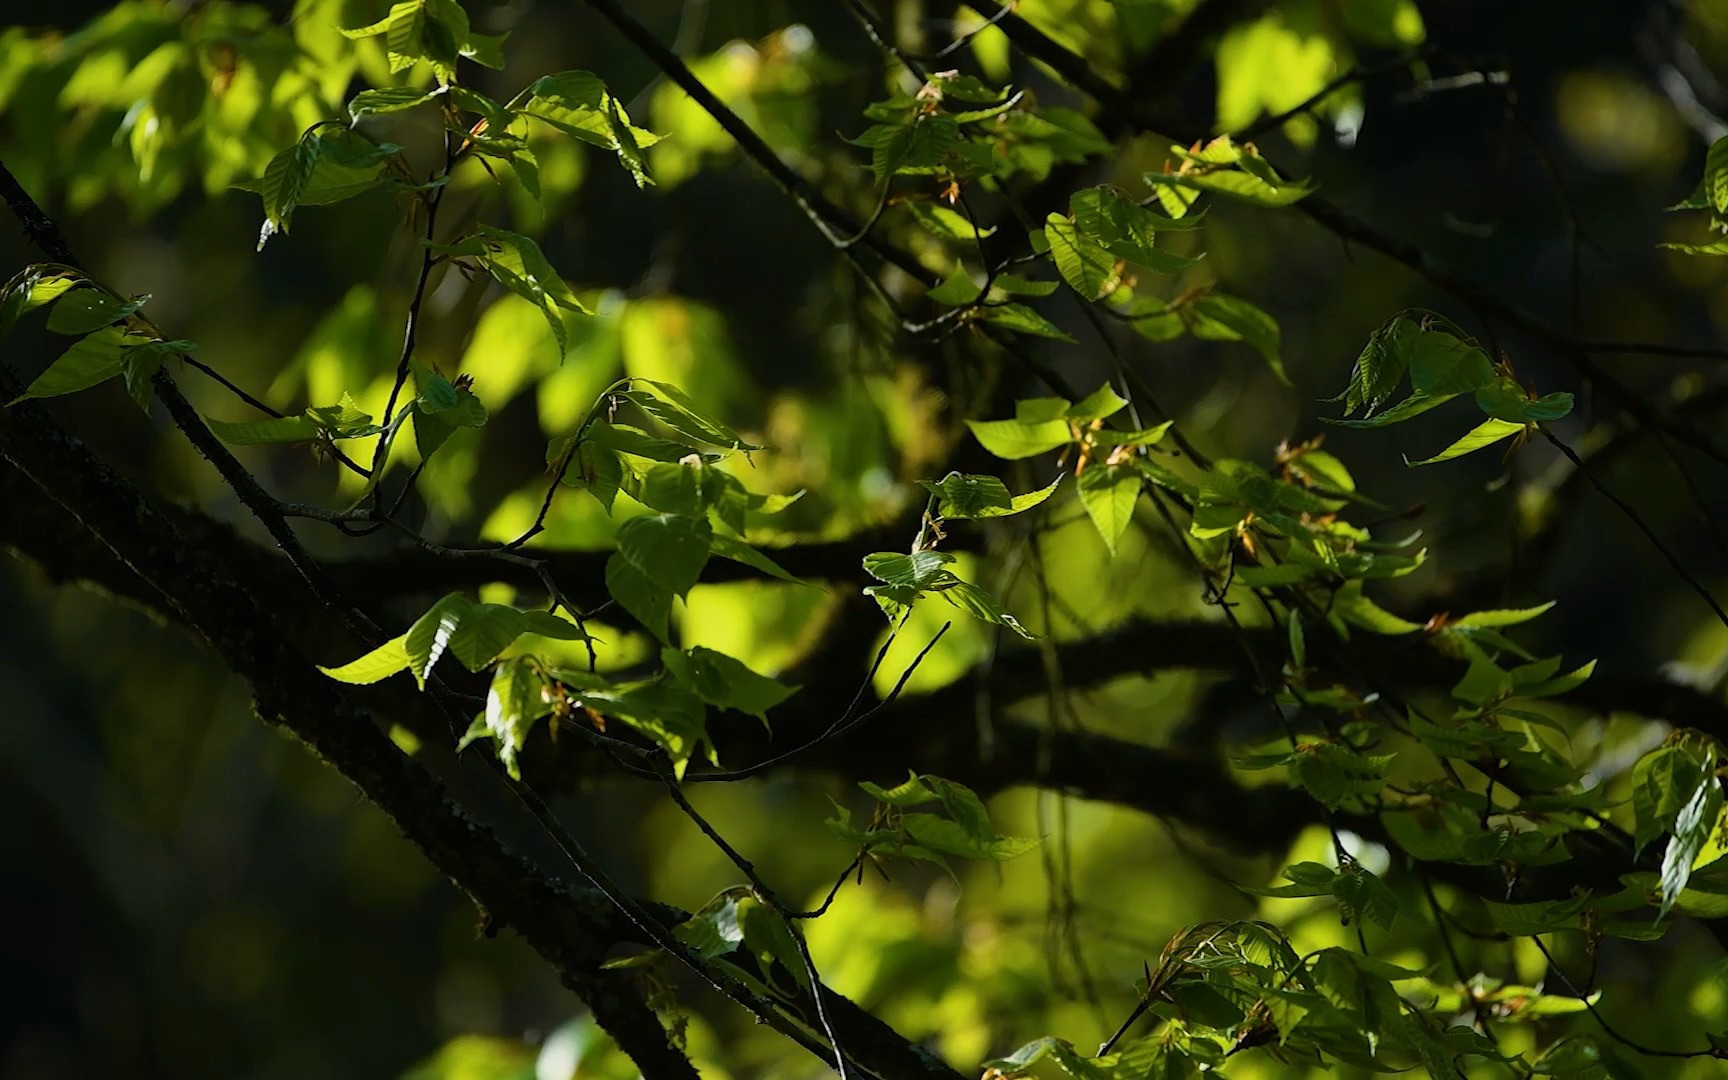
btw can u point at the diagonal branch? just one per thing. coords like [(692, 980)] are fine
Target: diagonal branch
[(215, 599)]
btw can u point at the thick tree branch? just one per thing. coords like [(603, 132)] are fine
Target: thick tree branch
[(213, 598)]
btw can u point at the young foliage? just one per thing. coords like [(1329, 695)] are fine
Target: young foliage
[(962, 830)]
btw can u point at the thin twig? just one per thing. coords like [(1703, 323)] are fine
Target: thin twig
[(767, 896), (1637, 519)]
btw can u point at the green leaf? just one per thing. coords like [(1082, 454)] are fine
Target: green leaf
[(713, 931), (1266, 577), (436, 31), (636, 593), (1504, 399), (671, 489), (667, 549), (1487, 433), (769, 937), (578, 104), (1025, 1062), (548, 625), (638, 443), (1693, 825), (1015, 285), (434, 393), (282, 429), (1414, 405), (912, 792), (1381, 366), (952, 838), (1444, 365), (964, 496), (915, 571), (1088, 269), (1504, 617), (381, 663), (1663, 781), (31, 288), (1306, 879), (91, 360), (1720, 247), (596, 468), (1016, 439), (1126, 230), (1109, 494), (1023, 320), (728, 547), (1353, 607), (1226, 318), (1336, 775), (1363, 897), (1529, 920), (517, 263), (957, 289), (82, 311), (389, 99), (514, 700), (725, 682), (946, 223), (1561, 685), (670, 715), (672, 407), (484, 631), (1238, 186), (1149, 437), (431, 634), (328, 166), (1298, 640), (981, 605), (1038, 410), (1716, 176), (140, 363), (1100, 404)]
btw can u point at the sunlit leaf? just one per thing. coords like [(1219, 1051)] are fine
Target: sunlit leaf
[(1109, 494), (381, 663), (1484, 434), (1015, 439)]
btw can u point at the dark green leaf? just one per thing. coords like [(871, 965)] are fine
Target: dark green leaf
[(82, 311), (1088, 269), (1023, 320), (981, 605), (966, 496), (91, 360), (725, 682), (666, 549), (915, 571), (1214, 317)]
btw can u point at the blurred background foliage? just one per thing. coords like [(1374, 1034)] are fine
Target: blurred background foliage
[(190, 896)]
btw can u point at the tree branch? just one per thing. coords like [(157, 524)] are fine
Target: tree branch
[(572, 930)]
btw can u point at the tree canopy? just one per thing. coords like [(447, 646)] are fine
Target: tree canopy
[(1103, 539)]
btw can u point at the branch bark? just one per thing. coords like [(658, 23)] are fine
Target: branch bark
[(151, 559)]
